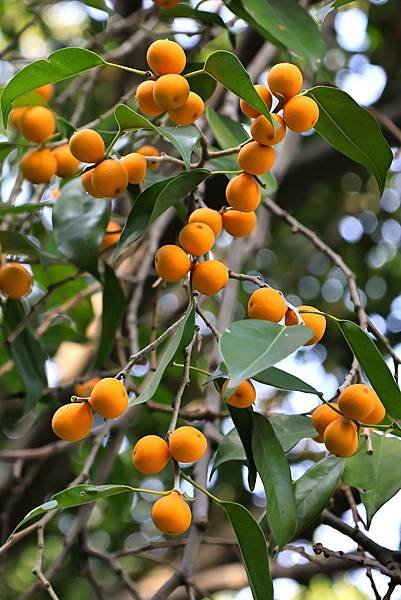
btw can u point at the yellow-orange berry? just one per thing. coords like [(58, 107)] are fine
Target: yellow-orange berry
[(46, 91), (196, 238), (84, 389), (166, 3), (145, 100), (135, 165), (15, 117), (165, 56), (243, 396), (87, 146), (112, 235), (209, 217), (109, 398), (316, 322), (171, 91), (237, 223), (150, 151), (209, 277), (171, 514), (37, 124), (266, 96), (15, 280), (189, 112), (255, 159), (266, 303), (150, 454), (301, 113), (243, 193), (86, 180), (73, 422), (323, 415), (187, 444), (171, 263), (377, 414), (285, 79), (357, 401), (341, 438), (109, 178), (38, 166), (67, 164), (264, 133)]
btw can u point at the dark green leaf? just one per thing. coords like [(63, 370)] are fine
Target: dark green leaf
[(315, 488), (285, 381), (377, 475), (13, 242), (291, 429), (230, 448), (251, 346), (5, 149), (113, 308), (374, 366), (202, 84), (242, 419), (60, 65), (273, 468), (184, 139), (290, 25), (227, 69), (65, 128), (352, 130), (26, 352), (79, 222), (252, 545), (227, 132), (176, 345), (156, 199)]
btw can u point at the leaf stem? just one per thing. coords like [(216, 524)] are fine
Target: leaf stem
[(197, 369), (112, 143), (198, 72), (199, 487), (130, 69)]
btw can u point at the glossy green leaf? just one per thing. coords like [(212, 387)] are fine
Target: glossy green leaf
[(60, 65), (285, 381), (79, 223), (373, 364), (252, 545), (315, 488), (26, 353), (352, 130), (156, 199), (274, 470), (230, 448), (176, 345), (113, 308), (227, 132), (184, 139), (186, 11), (251, 346), (75, 496), (228, 70), (242, 419), (202, 84), (286, 23), (377, 475)]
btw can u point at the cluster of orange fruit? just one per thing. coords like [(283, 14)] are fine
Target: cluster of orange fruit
[(15, 280), (337, 422), (170, 91), (171, 514), (107, 397)]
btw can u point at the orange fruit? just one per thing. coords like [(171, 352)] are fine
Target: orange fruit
[(171, 91), (243, 193), (165, 56), (267, 304), (264, 133), (15, 280), (196, 238), (237, 223), (171, 514), (38, 166), (255, 159), (84, 389), (145, 100), (109, 178), (285, 79), (187, 444), (46, 91), (150, 151), (243, 396), (135, 165), (87, 146), (37, 124), (109, 398), (301, 113), (315, 322), (323, 415), (357, 401), (73, 422), (266, 96), (209, 277), (151, 454), (189, 112), (208, 216), (171, 263), (341, 438), (112, 235), (67, 164)]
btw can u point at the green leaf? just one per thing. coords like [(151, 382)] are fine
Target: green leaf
[(242, 419), (228, 133), (75, 496), (13, 242), (228, 70), (156, 199), (5, 149), (23, 208), (315, 488), (60, 65), (178, 342), (286, 24), (285, 381), (352, 130), (26, 353), (252, 545), (114, 305), (184, 139), (321, 10), (373, 364), (273, 468), (251, 346), (79, 223), (202, 84), (186, 11), (230, 448), (377, 475)]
